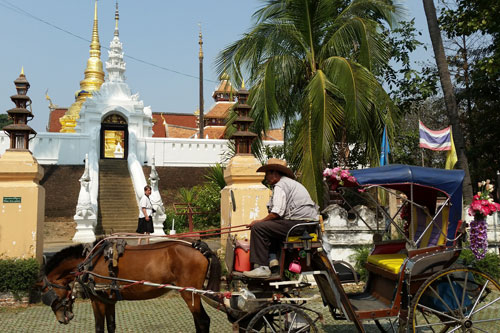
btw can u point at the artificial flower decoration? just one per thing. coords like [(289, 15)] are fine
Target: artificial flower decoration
[(482, 205), (338, 176)]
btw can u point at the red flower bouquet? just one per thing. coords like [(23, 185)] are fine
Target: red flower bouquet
[(482, 205)]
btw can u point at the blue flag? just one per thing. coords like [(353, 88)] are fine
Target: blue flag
[(384, 149)]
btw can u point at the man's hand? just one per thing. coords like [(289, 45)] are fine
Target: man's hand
[(270, 216), (254, 222), (147, 218)]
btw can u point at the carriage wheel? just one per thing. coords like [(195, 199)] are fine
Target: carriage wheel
[(281, 318), (457, 300)]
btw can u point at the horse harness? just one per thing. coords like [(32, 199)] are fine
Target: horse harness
[(111, 251)]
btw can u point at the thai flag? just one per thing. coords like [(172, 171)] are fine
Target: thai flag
[(434, 140)]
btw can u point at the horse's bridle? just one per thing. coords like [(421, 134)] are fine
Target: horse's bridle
[(49, 297)]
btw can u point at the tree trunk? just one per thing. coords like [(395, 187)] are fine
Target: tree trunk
[(449, 94)]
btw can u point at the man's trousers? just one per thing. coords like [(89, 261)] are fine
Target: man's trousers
[(266, 236)]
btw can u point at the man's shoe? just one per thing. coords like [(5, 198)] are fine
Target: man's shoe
[(261, 272)]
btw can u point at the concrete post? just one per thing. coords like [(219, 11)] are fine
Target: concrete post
[(23, 206)]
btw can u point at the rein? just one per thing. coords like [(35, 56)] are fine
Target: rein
[(188, 234)]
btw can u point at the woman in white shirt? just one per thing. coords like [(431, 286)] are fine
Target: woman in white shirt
[(145, 223)]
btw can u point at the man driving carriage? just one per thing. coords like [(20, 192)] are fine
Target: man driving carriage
[(290, 204)]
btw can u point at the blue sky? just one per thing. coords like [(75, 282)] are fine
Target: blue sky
[(164, 33)]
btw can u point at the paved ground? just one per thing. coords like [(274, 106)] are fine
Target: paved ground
[(164, 314)]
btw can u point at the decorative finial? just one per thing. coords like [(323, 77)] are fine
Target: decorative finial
[(22, 70), (200, 54), (243, 84), (117, 17)]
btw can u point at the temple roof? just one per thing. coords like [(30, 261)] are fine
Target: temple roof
[(219, 110)]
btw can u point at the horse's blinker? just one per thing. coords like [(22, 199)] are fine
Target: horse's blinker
[(49, 297)]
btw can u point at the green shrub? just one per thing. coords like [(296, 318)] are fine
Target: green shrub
[(490, 264), (181, 224), (208, 202), (18, 275), (360, 257)]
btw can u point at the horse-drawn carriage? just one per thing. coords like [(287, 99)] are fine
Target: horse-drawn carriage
[(415, 283)]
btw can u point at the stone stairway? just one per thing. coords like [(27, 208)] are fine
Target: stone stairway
[(118, 209)]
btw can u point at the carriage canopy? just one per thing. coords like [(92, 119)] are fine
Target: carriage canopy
[(426, 183)]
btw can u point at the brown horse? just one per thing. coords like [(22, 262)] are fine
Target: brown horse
[(171, 262)]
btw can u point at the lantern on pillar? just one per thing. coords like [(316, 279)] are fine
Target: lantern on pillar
[(19, 131), (243, 137)]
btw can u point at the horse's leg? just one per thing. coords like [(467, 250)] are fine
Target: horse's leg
[(99, 309), (201, 318), (110, 318)]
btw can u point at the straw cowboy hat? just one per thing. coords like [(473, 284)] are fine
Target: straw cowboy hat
[(278, 165)]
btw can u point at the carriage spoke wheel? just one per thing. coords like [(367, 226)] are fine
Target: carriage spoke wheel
[(457, 300), (281, 318)]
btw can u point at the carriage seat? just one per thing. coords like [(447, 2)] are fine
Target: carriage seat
[(295, 234), (390, 257)]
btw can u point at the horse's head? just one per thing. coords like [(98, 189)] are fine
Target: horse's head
[(59, 296), (56, 281)]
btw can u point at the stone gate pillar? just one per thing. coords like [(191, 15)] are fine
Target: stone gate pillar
[(23, 199), (23, 206), (244, 198)]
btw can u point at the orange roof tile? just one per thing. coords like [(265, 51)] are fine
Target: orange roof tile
[(225, 87), (214, 132), (219, 110), (275, 135), (180, 119), (181, 132)]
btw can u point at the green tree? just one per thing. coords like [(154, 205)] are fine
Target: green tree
[(312, 61), (4, 120), (473, 31)]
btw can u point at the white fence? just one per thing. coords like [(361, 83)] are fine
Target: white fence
[(70, 149)]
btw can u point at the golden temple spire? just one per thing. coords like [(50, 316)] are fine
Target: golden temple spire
[(93, 80), (200, 54), (94, 74), (243, 84), (22, 70)]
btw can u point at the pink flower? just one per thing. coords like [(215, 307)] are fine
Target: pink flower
[(485, 210), (352, 179)]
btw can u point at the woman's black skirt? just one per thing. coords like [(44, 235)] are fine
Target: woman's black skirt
[(145, 226)]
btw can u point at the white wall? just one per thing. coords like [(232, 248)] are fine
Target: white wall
[(70, 149), (55, 148)]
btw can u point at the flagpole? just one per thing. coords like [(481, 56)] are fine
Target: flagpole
[(422, 153)]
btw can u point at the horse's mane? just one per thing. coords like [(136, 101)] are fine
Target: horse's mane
[(74, 251)]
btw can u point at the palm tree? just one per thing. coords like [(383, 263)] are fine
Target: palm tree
[(449, 94), (311, 61)]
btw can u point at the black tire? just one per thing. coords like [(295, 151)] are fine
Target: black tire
[(456, 300), (281, 318)]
